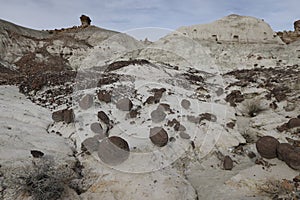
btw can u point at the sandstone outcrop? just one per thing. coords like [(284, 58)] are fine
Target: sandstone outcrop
[(291, 36), (85, 20)]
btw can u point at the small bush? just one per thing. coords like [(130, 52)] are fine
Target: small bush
[(253, 107), (45, 180)]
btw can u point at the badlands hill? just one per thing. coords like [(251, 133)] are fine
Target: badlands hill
[(89, 113)]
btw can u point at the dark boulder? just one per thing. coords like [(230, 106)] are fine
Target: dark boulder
[(267, 147)]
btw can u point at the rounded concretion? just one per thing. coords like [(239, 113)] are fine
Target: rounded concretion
[(293, 160), (90, 144), (58, 116), (185, 104), (294, 122), (267, 147), (113, 150), (86, 102), (158, 136), (97, 128), (104, 96), (158, 115), (283, 150), (124, 104)]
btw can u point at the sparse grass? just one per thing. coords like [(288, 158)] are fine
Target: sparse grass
[(253, 107), (44, 180), (277, 189), (271, 187)]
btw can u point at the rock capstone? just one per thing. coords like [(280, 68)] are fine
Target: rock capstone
[(85, 20)]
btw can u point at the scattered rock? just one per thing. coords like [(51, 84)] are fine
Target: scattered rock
[(90, 145), (293, 160), (234, 97), (230, 125), (134, 113), (103, 117), (165, 107), (104, 96), (172, 122), (185, 104), (283, 150), (58, 116), (86, 102), (124, 104), (294, 122), (193, 78), (227, 163), (184, 135), (261, 161), (179, 127), (289, 107), (251, 154), (280, 93), (193, 119), (123, 63), (158, 136), (69, 116), (282, 128), (97, 128), (150, 100), (297, 179), (273, 105), (113, 150), (208, 117), (267, 147), (280, 97), (158, 94), (158, 115), (36, 153), (219, 91)]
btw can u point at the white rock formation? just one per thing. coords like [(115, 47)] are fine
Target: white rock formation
[(233, 28)]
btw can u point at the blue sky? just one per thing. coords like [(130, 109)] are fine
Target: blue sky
[(124, 15)]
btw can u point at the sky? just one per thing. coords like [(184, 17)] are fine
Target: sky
[(152, 18)]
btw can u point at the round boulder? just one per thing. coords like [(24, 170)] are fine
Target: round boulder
[(185, 104), (184, 135), (90, 145), (293, 160), (267, 147), (159, 136), (113, 150), (283, 150), (69, 116), (97, 128), (86, 102), (158, 115), (124, 104), (294, 122), (58, 116), (104, 96)]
